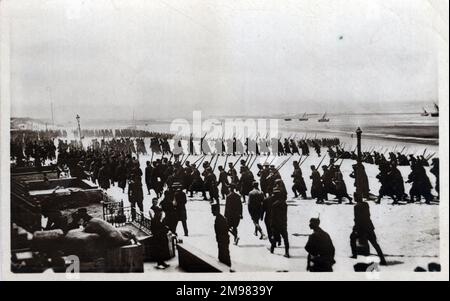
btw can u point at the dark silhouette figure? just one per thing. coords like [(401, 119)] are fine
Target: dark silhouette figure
[(222, 237), (320, 249), (364, 229)]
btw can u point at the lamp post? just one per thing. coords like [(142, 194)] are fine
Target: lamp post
[(358, 144), (79, 128), (360, 177)]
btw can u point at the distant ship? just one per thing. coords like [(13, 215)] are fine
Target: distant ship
[(303, 118), (287, 119), (435, 114), (425, 113), (324, 119)]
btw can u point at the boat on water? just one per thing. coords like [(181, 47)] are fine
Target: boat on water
[(435, 114), (303, 118), (287, 119), (425, 113), (324, 118)]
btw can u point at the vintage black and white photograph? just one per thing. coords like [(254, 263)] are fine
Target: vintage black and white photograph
[(176, 139)]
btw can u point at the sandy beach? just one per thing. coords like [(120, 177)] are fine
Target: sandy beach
[(408, 234)]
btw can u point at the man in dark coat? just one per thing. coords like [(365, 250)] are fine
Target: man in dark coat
[(327, 182), (320, 249), (170, 213), (222, 237), (232, 173), (156, 178), (78, 172), (299, 187), (341, 188), (233, 212), (263, 173), (135, 194), (364, 229), (211, 185), (180, 201), (396, 183), (191, 145), (223, 180), (159, 232), (197, 183), (317, 190), (103, 176), (384, 178), (246, 181), (279, 220), (148, 176), (121, 175), (274, 175), (255, 203), (435, 171), (421, 185), (361, 180)]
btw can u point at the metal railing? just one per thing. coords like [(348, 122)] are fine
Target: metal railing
[(118, 215)]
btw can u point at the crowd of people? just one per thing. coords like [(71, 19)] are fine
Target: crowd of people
[(33, 147), (174, 179), (120, 133)]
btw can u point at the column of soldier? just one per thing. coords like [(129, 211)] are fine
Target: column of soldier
[(267, 199), (33, 148), (112, 162)]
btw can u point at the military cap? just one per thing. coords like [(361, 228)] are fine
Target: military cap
[(314, 221)]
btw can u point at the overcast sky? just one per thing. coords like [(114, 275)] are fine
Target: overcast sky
[(164, 58)]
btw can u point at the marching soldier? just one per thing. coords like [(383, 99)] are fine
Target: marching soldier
[(385, 188), (317, 190), (197, 183), (211, 185), (121, 175), (294, 147), (191, 145), (273, 176), (299, 187), (263, 173), (397, 184), (364, 229), (223, 181), (279, 221), (255, 204), (327, 182), (233, 212), (361, 180), (341, 188), (287, 146), (421, 185), (232, 173), (103, 176), (246, 181), (148, 176)]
